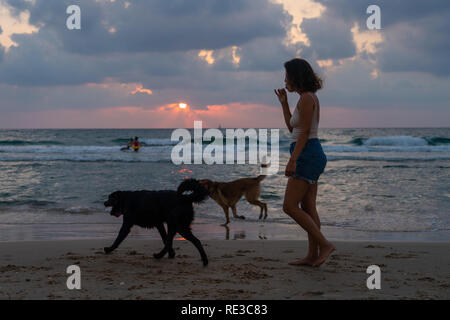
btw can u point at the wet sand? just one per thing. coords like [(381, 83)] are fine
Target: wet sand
[(241, 269)]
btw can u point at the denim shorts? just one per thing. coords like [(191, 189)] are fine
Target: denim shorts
[(311, 162)]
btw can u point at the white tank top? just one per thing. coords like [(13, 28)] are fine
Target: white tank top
[(295, 121)]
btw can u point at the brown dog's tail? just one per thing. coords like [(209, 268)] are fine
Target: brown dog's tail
[(261, 177)]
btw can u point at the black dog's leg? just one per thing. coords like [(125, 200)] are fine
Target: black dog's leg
[(162, 232), (124, 231), (187, 234), (168, 244)]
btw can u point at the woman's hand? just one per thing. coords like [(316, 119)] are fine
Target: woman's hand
[(290, 168), (282, 96)]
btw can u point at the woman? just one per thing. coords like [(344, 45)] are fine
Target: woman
[(307, 160)]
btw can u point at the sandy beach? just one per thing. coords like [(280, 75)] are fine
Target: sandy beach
[(238, 270)]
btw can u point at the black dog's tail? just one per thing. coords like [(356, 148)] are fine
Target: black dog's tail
[(198, 194)]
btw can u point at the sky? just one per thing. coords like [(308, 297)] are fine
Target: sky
[(135, 61)]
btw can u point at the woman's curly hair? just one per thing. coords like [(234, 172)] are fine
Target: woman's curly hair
[(301, 74)]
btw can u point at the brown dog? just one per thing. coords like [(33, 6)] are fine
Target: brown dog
[(227, 194)]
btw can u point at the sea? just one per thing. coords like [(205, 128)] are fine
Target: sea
[(380, 184)]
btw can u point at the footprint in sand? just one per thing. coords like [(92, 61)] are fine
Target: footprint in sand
[(313, 293), (428, 279), (374, 247), (261, 259)]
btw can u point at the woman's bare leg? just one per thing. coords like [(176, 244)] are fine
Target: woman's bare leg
[(308, 205), (295, 192)]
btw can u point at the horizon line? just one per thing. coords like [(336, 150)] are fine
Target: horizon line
[(173, 128)]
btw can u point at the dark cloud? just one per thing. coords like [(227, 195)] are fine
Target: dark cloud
[(160, 25), (266, 54), (153, 40), (330, 37), (262, 55), (392, 11), (421, 46), (415, 33), (156, 43), (2, 49), (39, 61)]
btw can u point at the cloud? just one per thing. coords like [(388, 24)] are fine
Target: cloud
[(415, 34), (11, 23), (153, 40), (421, 45), (158, 26), (330, 37), (147, 54)]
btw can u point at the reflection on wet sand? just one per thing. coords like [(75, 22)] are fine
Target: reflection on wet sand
[(241, 235), (236, 236)]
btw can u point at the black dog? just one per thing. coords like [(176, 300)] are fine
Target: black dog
[(150, 209)]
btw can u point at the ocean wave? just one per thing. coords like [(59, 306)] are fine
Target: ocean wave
[(31, 203), (107, 150), (386, 158), (357, 141), (159, 142), (403, 141), (84, 158), (434, 141), (156, 142), (81, 210), (158, 149), (28, 143), (387, 148), (120, 141), (166, 158), (76, 149), (146, 142)]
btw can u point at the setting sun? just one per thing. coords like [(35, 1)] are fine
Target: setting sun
[(182, 105)]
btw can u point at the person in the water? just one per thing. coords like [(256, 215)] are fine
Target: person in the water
[(129, 145), (136, 144)]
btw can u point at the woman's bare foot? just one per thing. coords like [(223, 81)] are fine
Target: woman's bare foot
[(324, 254), (306, 261), (303, 262)]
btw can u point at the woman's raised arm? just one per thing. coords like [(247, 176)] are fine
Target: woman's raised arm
[(282, 97)]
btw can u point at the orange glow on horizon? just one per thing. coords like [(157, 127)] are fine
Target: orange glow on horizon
[(234, 115), (182, 105)]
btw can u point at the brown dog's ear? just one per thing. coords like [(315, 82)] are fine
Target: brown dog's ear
[(204, 182), (208, 184), (214, 185)]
